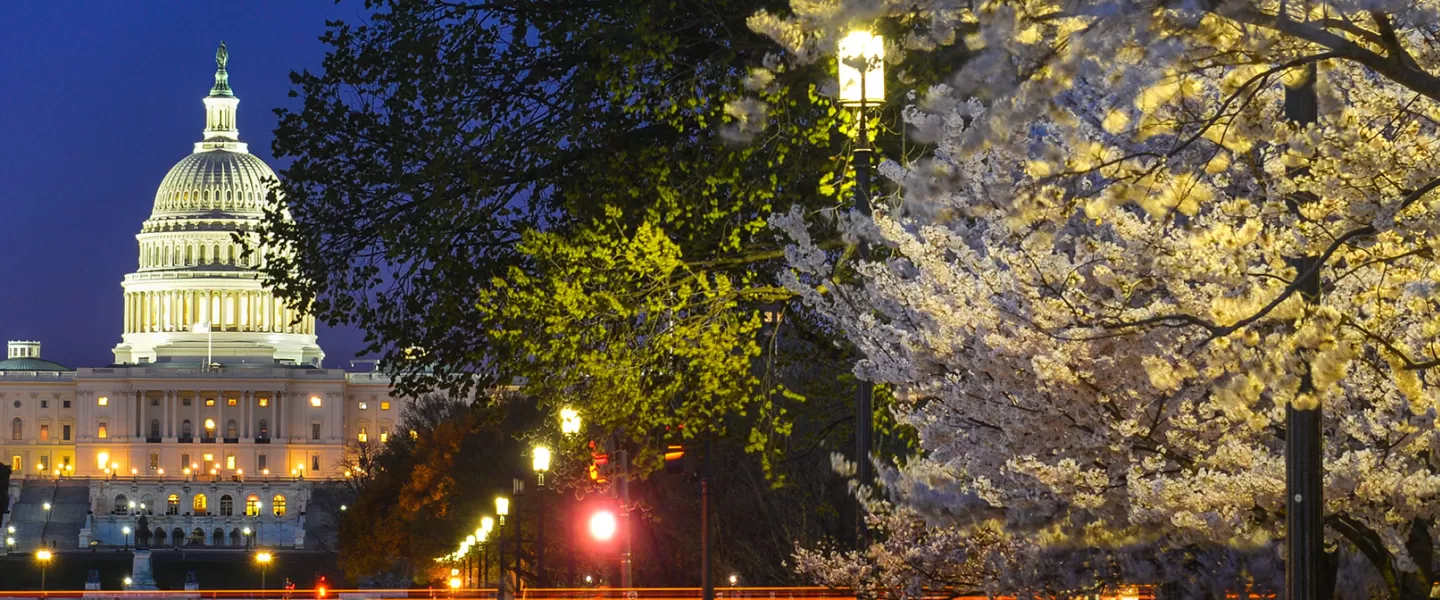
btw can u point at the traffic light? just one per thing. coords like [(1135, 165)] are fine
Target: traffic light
[(675, 459), (602, 525), (599, 465)]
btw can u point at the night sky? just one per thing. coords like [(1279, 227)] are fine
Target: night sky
[(97, 101)]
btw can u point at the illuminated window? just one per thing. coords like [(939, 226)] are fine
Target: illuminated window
[(384, 437), (45, 433), (363, 436), (102, 459), (209, 402), (172, 505), (384, 405), (208, 457), (154, 460), (264, 402), (364, 406), (210, 426), (230, 402), (103, 431), (200, 505), (315, 401), (103, 401), (277, 505), (230, 462), (252, 506)]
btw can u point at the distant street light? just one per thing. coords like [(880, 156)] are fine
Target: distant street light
[(264, 559), (126, 531), (44, 557), (502, 508), (127, 581), (46, 506)]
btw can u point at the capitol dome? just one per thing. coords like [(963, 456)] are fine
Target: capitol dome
[(197, 296), (215, 181)]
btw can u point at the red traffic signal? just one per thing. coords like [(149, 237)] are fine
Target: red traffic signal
[(603, 525)]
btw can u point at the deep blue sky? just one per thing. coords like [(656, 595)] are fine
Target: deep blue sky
[(98, 99)]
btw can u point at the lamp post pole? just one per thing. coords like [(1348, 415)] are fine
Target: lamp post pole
[(707, 585), (1304, 468)]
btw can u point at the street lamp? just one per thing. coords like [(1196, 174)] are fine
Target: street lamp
[(263, 558), (502, 508), (44, 557), (46, 506), (862, 85), (127, 581), (246, 532), (540, 461), (569, 421), (126, 531)]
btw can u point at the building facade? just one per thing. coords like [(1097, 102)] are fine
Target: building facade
[(216, 417)]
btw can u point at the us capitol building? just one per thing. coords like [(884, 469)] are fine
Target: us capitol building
[(216, 420)]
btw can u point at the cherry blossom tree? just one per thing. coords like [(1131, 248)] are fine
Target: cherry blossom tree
[(1090, 302)]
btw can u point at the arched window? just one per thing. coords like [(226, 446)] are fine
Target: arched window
[(197, 537), (216, 253), (264, 428), (277, 505), (189, 254), (203, 258), (230, 430), (172, 507), (252, 506), (218, 538), (155, 428), (227, 506), (185, 429), (147, 504), (121, 505), (177, 536), (235, 539), (17, 429), (200, 505), (159, 537)]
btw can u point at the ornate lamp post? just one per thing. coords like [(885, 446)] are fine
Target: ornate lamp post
[(540, 462), (487, 525), (862, 85), (126, 532), (502, 508)]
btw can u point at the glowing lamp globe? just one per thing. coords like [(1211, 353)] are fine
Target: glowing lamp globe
[(541, 459), (602, 525), (861, 67), (569, 421)]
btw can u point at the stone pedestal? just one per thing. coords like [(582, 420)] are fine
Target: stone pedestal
[(141, 575)]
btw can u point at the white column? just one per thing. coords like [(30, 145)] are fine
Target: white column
[(144, 423), (245, 412), (165, 414)]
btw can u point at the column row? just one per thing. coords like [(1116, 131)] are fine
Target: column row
[(225, 310), (207, 414)]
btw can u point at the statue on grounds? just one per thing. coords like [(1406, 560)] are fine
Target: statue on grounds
[(93, 577), (142, 534)]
